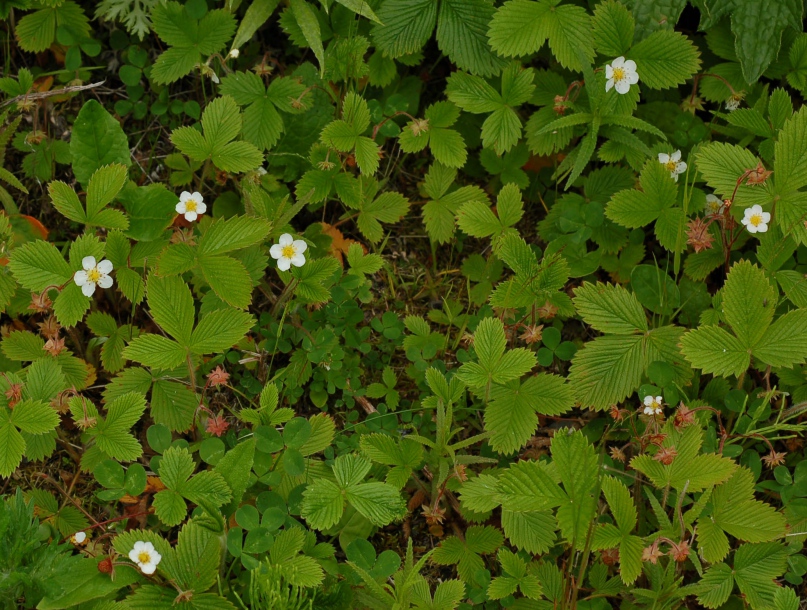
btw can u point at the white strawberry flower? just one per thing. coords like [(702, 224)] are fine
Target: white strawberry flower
[(288, 251), (192, 205), (755, 220), (672, 163), (234, 53), (145, 556), (78, 538), (621, 74), (714, 205), (93, 274), (652, 405), (732, 103)]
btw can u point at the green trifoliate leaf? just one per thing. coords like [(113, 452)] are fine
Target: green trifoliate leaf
[(189, 39), (262, 124), (520, 27), (447, 145), (478, 220), (440, 211), (345, 134), (221, 124), (690, 469), (502, 128), (512, 414), (493, 364), (176, 468)]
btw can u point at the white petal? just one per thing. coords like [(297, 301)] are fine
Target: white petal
[(134, 553), (148, 568), (609, 72), (201, 208), (766, 217), (184, 196), (658, 399), (618, 62), (298, 260), (276, 251), (680, 167), (88, 289), (756, 209), (632, 78), (139, 545), (676, 156), (746, 219), (88, 262), (285, 239), (156, 557), (181, 207), (609, 84), (105, 281), (148, 547), (191, 216), (751, 228), (674, 176), (762, 228), (630, 65), (80, 537), (80, 277), (283, 263), (197, 196), (300, 246), (663, 158), (648, 400), (622, 87), (105, 266)]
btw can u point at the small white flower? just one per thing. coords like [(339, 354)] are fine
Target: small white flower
[(652, 405), (288, 251), (714, 205), (191, 205), (78, 538), (234, 53), (145, 556), (621, 74), (673, 164), (755, 220), (732, 103), (93, 274)]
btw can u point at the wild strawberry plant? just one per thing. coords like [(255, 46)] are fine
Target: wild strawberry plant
[(403, 304)]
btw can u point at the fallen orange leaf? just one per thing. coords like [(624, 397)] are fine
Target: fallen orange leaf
[(339, 244)]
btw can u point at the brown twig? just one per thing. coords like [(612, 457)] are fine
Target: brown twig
[(45, 94), (61, 489)]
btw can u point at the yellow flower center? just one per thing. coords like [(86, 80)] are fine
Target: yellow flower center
[(288, 251), (671, 165), (619, 73), (756, 219), (93, 275), (191, 205), (144, 557)]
